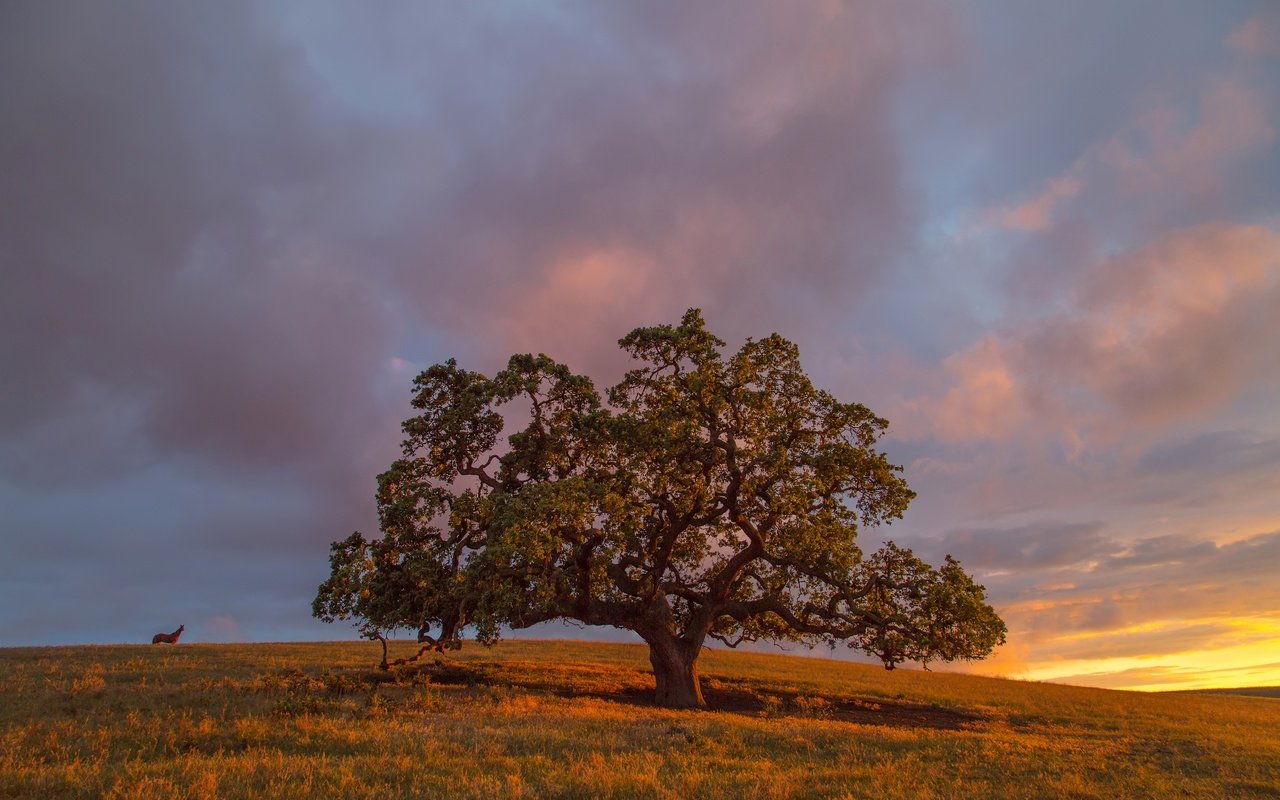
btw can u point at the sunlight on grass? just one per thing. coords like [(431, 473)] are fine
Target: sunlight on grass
[(572, 719)]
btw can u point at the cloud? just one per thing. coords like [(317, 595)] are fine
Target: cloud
[(1222, 454), (1132, 677), (1028, 547), (1151, 304), (1135, 284), (1036, 213), (151, 306), (1259, 36), (689, 160), (1193, 149), (1161, 584), (985, 400), (1183, 156), (1177, 326), (1169, 640), (1174, 328), (1161, 550), (1080, 594), (227, 235), (1173, 677), (221, 226)]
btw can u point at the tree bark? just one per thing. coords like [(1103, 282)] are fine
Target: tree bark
[(675, 670)]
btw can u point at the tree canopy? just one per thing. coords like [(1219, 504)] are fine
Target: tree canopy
[(706, 495)]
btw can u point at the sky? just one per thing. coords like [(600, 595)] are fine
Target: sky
[(1042, 239)]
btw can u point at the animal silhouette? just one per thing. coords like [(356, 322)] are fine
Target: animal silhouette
[(168, 638)]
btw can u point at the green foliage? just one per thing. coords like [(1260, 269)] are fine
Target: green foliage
[(712, 496)]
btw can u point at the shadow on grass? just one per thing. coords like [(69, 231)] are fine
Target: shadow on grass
[(781, 703), (735, 696)]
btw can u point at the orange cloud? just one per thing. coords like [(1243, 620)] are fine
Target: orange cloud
[(982, 397), (1173, 328), (1176, 327), (1036, 213), (584, 292), (1173, 324)]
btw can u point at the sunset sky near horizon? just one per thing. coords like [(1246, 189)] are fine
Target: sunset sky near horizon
[(1042, 239)]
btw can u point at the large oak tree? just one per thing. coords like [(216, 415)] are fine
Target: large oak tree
[(713, 496)]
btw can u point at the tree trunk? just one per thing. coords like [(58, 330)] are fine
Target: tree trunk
[(675, 669)]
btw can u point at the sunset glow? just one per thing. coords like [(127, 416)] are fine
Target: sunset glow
[(1042, 240)]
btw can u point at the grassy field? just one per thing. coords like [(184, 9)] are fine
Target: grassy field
[(569, 719)]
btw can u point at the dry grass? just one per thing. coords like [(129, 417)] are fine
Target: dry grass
[(568, 719)]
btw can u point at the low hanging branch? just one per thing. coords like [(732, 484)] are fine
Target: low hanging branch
[(713, 496), (402, 661), (431, 646)]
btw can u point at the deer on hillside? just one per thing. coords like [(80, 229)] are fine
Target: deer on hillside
[(168, 638)]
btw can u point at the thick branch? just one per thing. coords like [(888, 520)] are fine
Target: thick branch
[(481, 472)]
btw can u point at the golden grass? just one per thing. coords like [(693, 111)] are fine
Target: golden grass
[(571, 719)]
